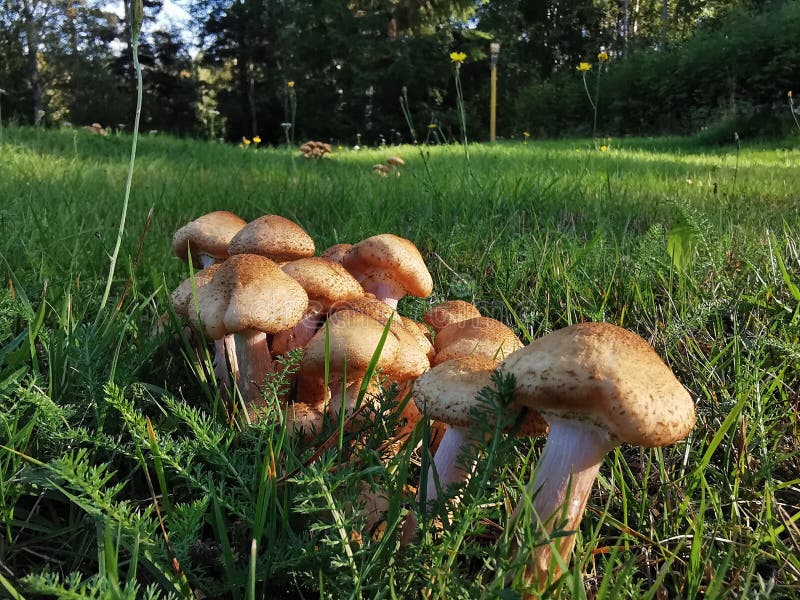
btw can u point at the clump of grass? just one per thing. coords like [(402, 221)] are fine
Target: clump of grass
[(93, 500)]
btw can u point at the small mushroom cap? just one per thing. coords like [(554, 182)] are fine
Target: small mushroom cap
[(421, 334), (336, 252), (249, 292), (352, 336), (182, 299), (449, 394), (326, 282), (412, 357), (209, 234), (477, 336), (447, 313), (395, 161), (273, 236), (391, 254), (605, 375)]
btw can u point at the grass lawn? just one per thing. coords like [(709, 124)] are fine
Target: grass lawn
[(694, 248)]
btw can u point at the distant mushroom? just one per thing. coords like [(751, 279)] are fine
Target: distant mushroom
[(598, 386), (389, 267), (382, 170), (395, 161)]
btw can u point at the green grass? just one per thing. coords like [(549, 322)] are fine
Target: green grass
[(663, 236)]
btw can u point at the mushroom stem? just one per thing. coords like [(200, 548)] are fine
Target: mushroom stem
[(251, 363), (447, 468), (561, 482), (446, 464), (385, 290)]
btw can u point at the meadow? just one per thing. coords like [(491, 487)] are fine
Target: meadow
[(120, 476)]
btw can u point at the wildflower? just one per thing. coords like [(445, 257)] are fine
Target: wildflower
[(257, 139), (603, 148), (584, 66), (290, 84), (458, 57), (245, 141), (603, 56), (431, 125)]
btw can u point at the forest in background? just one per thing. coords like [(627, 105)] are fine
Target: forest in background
[(338, 68)]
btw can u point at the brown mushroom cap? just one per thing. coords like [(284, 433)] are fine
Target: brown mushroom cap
[(421, 335), (326, 282), (447, 313), (209, 234), (249, 292), (477, 336), (181, 297), (336, 252), (448, 393), (607, 376), (390, 254), (273, 236), (352, 336), (411, 359), (395, 161)]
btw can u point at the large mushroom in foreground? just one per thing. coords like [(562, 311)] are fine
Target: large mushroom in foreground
[(598, 386), (449, 393), (249, 296)]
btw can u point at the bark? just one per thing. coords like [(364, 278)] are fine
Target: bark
[(32, 41)]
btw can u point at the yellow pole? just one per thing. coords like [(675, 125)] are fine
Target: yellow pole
[(493, 106)]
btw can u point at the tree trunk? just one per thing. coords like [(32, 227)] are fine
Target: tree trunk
[(32, 41)]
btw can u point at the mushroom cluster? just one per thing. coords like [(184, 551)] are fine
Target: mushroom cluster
[(393, 163), (312, 149), (261, 292)]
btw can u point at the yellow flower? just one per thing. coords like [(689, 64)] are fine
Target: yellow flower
[(603, 56), (290, 84), (245, 141), (458, 57), (603, 148), (257, 139), (584, 66), (431, 125)]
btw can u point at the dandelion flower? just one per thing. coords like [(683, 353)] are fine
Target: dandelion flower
[(458, 57), (603, 148), (257, 139), (603, 56), (245, 141), (584, 66), (290, 84)]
